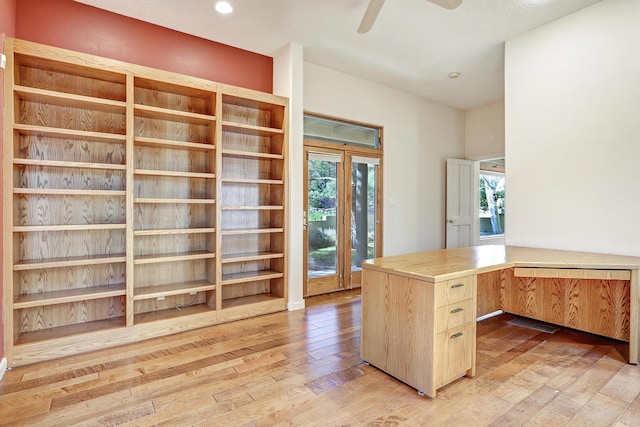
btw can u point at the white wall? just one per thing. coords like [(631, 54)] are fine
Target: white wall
[(287, 81), (484, 132), (418, 138), (573, 132), (484, 139)]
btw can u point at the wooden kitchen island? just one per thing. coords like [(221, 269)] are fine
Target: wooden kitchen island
[(419, 310)]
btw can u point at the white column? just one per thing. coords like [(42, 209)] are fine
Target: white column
[(288, 81)]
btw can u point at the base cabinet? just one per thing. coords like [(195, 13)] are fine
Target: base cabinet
[(420, 332)]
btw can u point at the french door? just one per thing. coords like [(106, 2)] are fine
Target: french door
[(342, 217)]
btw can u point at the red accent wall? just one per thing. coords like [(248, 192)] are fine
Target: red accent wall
[(76, 26), (7, 28)]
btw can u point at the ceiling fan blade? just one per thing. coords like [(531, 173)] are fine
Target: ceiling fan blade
[(447, 4), (370, 16)]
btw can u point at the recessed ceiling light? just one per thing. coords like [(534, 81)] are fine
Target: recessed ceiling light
[(454, 75), (223, 7)]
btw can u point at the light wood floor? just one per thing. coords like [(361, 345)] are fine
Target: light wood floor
[(303, 368)]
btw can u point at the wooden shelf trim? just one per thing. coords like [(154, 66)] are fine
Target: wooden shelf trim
[(242, 128), (569, 273), (252, 208), (251, 154), (69, 100), (67, 227), (151, 292), (253, 231), (252, 181), (250, 256), (143, 200), (68, 192), (172, 115), (176, 174), (70, 133), (171, 231), (250, 276), (69, 295), (68, 262), (177, 145), (173, 257), (65, 164)]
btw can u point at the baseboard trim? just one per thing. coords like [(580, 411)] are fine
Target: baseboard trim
[(489, 315), (295, 305), (3, 367)]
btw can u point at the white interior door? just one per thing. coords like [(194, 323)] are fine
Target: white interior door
[(461, 203)]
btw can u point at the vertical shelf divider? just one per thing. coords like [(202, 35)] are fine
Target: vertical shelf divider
[(218, 142), (130, 152)]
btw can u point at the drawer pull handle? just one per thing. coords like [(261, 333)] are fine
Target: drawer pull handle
[(457, 285), (457, 310), (458, 335)]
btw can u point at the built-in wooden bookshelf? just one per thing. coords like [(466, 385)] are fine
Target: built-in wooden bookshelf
[(137, 202)]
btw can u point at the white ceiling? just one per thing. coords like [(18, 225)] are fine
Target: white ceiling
[(413, 45)]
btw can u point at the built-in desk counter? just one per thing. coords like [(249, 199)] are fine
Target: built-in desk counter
[(419, 310)]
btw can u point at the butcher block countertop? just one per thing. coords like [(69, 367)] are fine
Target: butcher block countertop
[(445, 264)]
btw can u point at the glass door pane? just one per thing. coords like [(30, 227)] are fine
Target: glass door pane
[(364, 215), (324, 221), (322, 212)]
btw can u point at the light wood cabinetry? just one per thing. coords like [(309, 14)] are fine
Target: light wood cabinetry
[(136, 202), (595, 301), (420, 332), (419, 310), (252, 211)]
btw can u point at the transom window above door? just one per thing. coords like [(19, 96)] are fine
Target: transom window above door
[(344, 133)]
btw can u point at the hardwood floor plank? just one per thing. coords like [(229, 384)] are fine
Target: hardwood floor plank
[(600, 410), (303, 368)]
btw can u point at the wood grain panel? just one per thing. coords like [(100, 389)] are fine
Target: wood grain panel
[(172, 216), (246, 141), (44, 147), (490, 292), (236, 194), (34, 209), (44, 245), (257, 287), (156, 158), (454, 315), (454, 351), (174, 97), (60, 77), (170, 244), (398, 327), (46, 317), (252, 168), (174, 272), (172, 130), (43, 177), (572, 273), (598, 306), (41, 281), (452, 291), (240, 111), (42, 114), (169, 303)]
